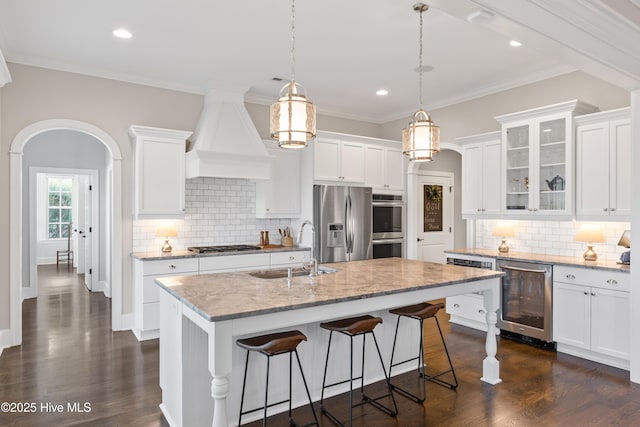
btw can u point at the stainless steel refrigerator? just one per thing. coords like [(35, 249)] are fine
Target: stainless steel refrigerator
[(342, 218)]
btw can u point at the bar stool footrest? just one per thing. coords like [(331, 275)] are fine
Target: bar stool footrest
[(407, 394), (436, 380), (376, 404)]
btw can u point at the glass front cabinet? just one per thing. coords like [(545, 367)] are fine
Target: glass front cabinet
[(537, 159)]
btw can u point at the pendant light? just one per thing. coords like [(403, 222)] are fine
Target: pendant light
[(421, 138), (293, 116)]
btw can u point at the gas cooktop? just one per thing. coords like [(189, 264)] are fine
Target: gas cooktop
[(225, 248)]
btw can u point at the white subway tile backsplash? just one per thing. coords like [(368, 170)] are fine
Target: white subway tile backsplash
[(552, 238), (218, 211)]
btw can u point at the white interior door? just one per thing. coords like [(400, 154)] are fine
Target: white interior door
[(87, 235), (435, 217)]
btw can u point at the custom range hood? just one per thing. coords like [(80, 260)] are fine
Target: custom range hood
[(225, 143)]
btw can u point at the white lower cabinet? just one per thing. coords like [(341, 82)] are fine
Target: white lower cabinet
[(591, 314), (146, 295), (468, 310), (146, 300)]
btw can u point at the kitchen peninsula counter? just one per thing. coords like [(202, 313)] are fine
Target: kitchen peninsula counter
[(544, 259), (203, 315)]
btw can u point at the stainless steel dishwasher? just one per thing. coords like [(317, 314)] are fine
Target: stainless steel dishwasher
[(526, 308)]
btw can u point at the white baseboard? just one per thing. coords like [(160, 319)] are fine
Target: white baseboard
[(29, 292), (127, 322), (5, 339), (103, 285), (98, 287)]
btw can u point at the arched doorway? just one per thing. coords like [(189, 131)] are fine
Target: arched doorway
[(16, 221), (413, 176)]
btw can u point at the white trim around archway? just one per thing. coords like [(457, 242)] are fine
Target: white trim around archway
[(412, 185), (16, 223)]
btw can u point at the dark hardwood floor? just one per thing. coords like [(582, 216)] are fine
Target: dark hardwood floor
[(69, 354)]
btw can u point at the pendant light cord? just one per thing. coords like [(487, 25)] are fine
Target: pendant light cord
[(293, 39), (420, 62)]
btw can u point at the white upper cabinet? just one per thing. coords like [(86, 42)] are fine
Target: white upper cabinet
[(537, 160), (279, 197), (384, 168), (603, 166), (338, 161), (481, 174), (358, 160), (159, 172)]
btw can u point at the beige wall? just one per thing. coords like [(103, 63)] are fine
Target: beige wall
[(477, 116), (260, 116), (39, 94)]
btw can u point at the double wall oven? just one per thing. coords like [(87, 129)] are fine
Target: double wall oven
[(388, 218)]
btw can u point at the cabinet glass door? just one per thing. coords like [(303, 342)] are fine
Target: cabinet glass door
[(517, 184), (552, 170)]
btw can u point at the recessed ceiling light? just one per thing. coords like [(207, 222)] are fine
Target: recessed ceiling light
[(122, 33), (515, 43), (382, 92)]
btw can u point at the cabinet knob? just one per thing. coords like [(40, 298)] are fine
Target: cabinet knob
[(479, 210), (593, 294), (291, 258), (481, 311), (612, 209), (535, 209), (585, 292), (456, 305), (172, 267), (571, 276), (612, 282), (605, 209)]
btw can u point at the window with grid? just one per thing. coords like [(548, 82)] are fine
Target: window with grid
[(59, 208)]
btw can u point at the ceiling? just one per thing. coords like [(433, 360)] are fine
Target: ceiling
[(345, 50)]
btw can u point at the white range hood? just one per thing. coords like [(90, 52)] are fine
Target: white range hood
[(225, 143)]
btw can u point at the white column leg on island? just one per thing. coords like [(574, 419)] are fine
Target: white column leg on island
[(490, 365), (220, 362)]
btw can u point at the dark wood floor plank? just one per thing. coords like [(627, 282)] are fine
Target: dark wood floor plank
[(69, 354)]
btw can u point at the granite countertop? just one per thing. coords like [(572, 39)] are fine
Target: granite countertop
[(541, 258), (224, 296), (154, 256)]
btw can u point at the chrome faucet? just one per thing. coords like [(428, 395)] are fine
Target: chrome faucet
[(313, 262)]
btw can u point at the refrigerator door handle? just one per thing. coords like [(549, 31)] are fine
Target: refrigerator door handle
[(346, 224), (350, 219), (352, 226)]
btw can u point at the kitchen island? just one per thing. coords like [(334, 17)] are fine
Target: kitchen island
[(202, 316)]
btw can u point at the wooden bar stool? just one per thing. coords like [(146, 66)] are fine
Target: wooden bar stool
[(421, 312), (353, 327), (272, 345)]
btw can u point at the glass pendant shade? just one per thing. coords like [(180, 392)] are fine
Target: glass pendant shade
[(421, 138), (293, 117)]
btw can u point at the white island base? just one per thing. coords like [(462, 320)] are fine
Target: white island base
[(201, 368)]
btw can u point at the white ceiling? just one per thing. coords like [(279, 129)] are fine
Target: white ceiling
[(345, 50)]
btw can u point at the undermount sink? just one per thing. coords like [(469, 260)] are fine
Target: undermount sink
[(281, 273)]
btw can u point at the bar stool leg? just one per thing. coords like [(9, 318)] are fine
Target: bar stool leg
[(266, 394), (324, 377), (244, 382), (435, 378), (421, 371), (374, 402), (306, 387)]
